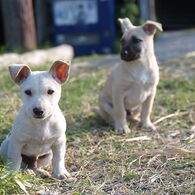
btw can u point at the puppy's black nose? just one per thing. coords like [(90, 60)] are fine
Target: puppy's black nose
[(38, 112), (125, 52)]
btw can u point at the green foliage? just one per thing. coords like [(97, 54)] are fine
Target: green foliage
[(126, 9), (15, 182), (129, 8)]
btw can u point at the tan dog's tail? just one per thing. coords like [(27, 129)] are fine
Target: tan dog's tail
[(97, 110), (103, 115)]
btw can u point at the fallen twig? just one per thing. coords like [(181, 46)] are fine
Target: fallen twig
[(169, 116), (141, 138), (168, 151)]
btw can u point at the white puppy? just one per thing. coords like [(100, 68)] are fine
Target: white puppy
[(38, 134)]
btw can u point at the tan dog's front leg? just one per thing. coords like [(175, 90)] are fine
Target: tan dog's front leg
[(59, 170), (120, 118), (146, 110)]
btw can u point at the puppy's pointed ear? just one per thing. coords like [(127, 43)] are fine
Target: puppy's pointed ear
[(19, 72), (60, 71), (150, 27), (125, 24)]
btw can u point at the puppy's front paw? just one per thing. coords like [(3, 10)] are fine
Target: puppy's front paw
[(62, 175), (124, 129), (149, 126), (38, 172), (30, 172), (42, 173)]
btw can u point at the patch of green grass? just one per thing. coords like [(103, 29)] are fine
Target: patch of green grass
[(16, 182), (89, 58), (102, 161), (180, 92)]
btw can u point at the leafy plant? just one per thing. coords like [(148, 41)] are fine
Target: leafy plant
[(129, 8), (126, 9)]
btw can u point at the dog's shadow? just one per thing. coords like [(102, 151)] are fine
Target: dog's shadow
[(90, 124), (94, 124)]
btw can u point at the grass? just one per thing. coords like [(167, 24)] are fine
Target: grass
[(104, 162)]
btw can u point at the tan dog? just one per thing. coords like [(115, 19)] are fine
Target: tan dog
[(131, 86)]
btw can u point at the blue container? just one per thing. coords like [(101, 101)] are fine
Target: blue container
[(87, 25)]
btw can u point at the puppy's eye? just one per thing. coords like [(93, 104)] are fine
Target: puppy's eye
[(28, 92), (136, 40), (50, 91)]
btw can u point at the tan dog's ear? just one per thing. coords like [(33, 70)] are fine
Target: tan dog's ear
[(19, 72), (60, 71), (125, 24), (150, 27)]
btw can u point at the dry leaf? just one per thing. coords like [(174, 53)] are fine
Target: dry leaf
[(168, 151), (21, 185), (153, 178), (193, 128), (41, 190), (175, 134), (141, 138)]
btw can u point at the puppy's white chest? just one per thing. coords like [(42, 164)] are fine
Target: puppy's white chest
[(36, 146), (135, 96), (143, 78), (39, 140), (140, 87), (32, 149), (42, 139)]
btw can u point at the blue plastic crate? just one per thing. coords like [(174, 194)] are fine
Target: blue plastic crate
[(87, 25)]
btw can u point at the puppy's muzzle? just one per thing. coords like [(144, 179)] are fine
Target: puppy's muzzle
[(129, 54), (38, 112)]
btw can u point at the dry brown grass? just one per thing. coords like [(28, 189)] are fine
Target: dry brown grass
[(103, 162)]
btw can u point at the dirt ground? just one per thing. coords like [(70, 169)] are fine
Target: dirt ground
[(171, 44)]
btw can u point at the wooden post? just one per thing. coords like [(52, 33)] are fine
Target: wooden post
[(19, 24), (147, 9), (43, 20), (152, 10), (27, 23)]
